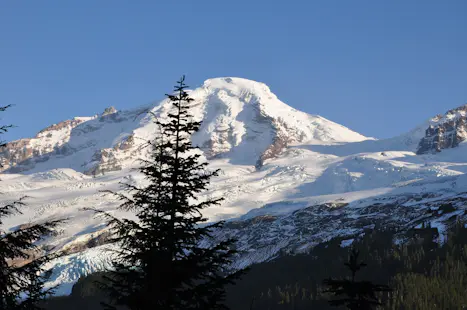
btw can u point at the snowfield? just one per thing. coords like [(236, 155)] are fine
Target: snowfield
[(290, 180)]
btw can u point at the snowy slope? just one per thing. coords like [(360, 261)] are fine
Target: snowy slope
[(289, 179)]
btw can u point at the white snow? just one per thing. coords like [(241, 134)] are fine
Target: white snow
[(346, 243)]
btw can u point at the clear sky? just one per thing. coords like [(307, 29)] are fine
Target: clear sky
[(378, 67)]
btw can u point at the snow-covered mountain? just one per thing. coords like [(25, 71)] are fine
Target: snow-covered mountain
[(289, 179), (242, 120)]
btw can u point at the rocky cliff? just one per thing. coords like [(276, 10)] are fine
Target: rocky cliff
[(20, 155), (446, 131)]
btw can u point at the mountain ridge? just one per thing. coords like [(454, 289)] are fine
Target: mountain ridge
[(233, 110), (445, 131)]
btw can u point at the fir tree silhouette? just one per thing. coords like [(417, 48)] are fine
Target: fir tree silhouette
[(22, 273), (359, 295), (4, 129), (160, 263)]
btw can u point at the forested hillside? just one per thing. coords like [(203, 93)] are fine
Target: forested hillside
[(422, 273)]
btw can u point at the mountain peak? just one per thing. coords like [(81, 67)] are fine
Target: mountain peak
[(242, 121), (235, 83), (109, 110), (445, 131), (246, 122)]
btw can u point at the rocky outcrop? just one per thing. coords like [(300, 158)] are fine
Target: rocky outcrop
[(284, 136), (98, 239), (110, 159), (104, 160), (67, 139), (111, 114), (21, 155), (264, 237), (126, 143), (446, 131), (109, 110), (67, 125), (21, 261), (280, 143)]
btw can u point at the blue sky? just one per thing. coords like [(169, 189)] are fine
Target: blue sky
[(378, 67)]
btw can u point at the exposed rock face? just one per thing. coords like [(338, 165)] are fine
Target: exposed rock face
[(284, 136), (250, 123), (109, 110), (111, 114), (110, 159), (97, 240), (102, 140), (446, 131), (280, 143), (264, 237), (20, 155), (126, 144), (105, 160), (68, 124), (20, 261)]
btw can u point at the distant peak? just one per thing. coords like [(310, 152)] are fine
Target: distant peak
[(445, 131), (109, 110), (459, 111), (231, 80)]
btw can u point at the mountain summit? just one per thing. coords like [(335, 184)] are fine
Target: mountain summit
[(245, 121), (242, 120)]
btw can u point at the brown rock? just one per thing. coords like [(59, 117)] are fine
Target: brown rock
[(445, 134)]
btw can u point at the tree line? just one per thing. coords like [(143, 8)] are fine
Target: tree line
[(420, 272)]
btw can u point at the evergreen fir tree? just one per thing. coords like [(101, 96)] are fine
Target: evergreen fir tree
[(22, 285), (360, 295), (160, 263)]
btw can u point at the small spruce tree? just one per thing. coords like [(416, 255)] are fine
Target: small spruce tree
[(22, 273), (160, 263), (359, 295)]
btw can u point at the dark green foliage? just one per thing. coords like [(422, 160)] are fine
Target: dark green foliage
[(359, 295), (161, 264), (4, 128), (447, 208), (22, 276), (85, 295), (422, 277)]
